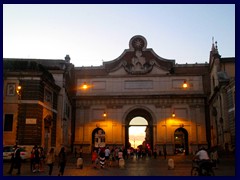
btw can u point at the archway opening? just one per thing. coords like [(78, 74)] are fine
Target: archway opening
[(148, 123), (98, 138), (137, 131), (181, 141)]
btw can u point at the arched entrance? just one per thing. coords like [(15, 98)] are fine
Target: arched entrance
[(98, 138), (139, 112), (181, 141), (137, 132)]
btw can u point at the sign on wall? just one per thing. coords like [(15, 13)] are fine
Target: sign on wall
[(31, 121)]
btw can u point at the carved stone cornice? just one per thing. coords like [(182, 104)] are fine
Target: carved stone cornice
[(158, 102)]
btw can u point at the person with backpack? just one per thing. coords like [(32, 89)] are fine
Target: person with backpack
[(36, 159)]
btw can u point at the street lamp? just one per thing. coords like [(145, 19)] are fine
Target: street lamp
[(19, 91), (84, 86), (104, 114), (185, 85)]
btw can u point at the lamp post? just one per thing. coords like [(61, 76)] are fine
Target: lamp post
[(85, 86), (185, 85), (104, 114), (19, 93), (134, 138)]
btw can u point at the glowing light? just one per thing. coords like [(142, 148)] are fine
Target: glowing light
[(19, 89), (185, 85), (104, 114), (85, 86), (173, 114)]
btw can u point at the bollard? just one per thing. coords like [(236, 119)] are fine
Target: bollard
[(80, 163), (170, 164), (121, 163)]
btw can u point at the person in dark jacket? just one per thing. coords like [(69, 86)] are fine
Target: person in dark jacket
[(164, 151), (15, 160), (62, 161)]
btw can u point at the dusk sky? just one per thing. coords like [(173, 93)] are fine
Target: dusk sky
[(91, 34), (137, 133)]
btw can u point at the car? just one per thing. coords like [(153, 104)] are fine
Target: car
[(9, 150)]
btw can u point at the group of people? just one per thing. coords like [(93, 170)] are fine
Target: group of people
[(50, 159), (105, 156), (102, 156), (38, 159), (111, 156)]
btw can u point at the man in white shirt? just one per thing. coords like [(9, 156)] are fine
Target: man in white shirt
[(202, 156), (107, 154)]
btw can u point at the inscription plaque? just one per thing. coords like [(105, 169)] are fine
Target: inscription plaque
[(138, 84)]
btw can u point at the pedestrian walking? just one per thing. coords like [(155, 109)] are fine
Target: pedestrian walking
[(164, 151), (214, 157), (36, 159), (155, 153), (102, 157), (50, 159), (94, 158), (138, 153), (15, 161), (107, 154), (120, 155), (62, 159), (32, 160), (116, 154), (111, 157), (159, 152), (42, 159), (128, 152)]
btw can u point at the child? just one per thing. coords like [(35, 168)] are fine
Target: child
[(94, 158)]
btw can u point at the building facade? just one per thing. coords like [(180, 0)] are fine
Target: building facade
[(92, 107), (222, 100), (41, 112), (139, 83)]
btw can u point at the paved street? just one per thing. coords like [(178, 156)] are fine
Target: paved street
[(133, 167)]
